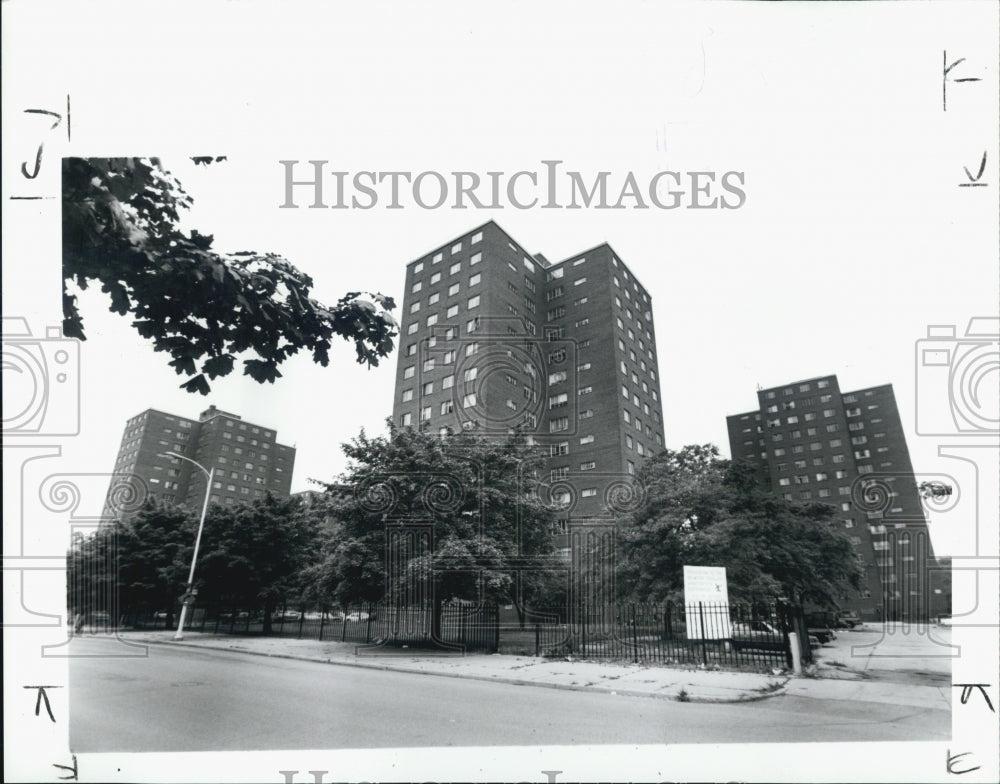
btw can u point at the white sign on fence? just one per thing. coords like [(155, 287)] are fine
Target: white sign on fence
[(707, 585)]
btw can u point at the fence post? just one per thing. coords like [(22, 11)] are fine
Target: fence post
[(704, 649), (796, 649), (302, 619), (322, 622), (538, 639), (368, 631), (635, 638), (343, 631)]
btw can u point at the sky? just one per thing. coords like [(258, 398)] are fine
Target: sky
[(853, 239)]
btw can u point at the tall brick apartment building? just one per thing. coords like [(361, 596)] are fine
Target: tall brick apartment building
[(494, 338), (247, 458), (811, 442)]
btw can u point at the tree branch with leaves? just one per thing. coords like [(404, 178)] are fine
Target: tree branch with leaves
[(204, 308)]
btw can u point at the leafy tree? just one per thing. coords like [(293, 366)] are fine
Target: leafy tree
[(154, 556), (477, 494), (707, 511), (91, 576), (134, 566), (202, 307), (254, 553)]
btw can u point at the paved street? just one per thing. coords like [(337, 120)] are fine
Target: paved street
[(198, 700)]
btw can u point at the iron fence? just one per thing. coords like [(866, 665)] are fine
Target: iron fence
[(753, 635), (744, 636), (463, 626)]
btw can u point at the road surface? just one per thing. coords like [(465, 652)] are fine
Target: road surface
[(185, 699)]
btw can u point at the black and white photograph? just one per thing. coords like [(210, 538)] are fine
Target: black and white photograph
[(450, 392)]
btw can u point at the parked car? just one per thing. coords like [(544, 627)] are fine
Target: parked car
[(759, 635), (849, 619), (288, 615), (356, 616), (762, 635), (822, 633), (821, 624)]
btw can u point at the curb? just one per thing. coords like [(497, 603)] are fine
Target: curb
[(751, 697)]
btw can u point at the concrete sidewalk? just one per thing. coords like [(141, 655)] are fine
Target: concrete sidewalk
[(686, 685)]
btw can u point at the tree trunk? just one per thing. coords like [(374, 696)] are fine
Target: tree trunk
[(436, 620), (268, 611)]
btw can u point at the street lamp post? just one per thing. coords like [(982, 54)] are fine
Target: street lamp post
[(197, 542)]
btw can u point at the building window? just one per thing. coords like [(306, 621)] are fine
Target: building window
[(455, 268), (588, 492), (588, 466), (435, 278), (405, 419), (473, 303), (409, 371), (416, 287), (587, 439), (558, 424), (407, 395), (469, 400)]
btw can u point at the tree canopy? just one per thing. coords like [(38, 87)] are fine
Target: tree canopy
[(254, 554), (703, 510), (206, 309), (478, 497)]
